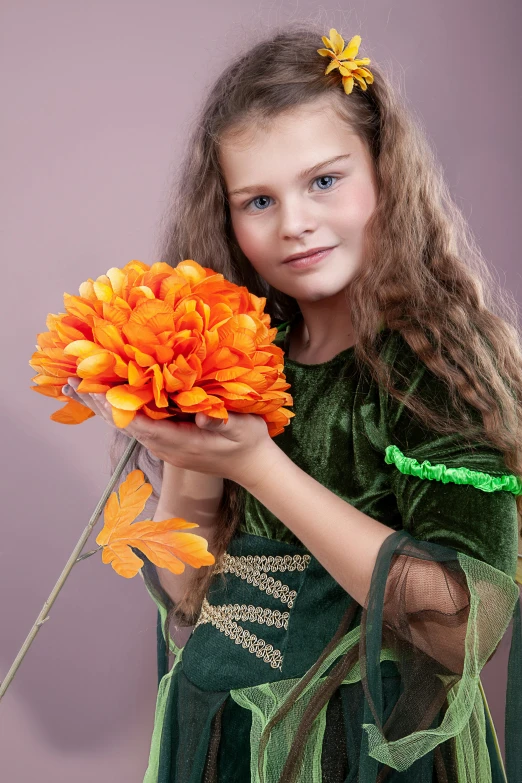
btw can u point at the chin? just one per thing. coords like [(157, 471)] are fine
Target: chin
[(317, 289)]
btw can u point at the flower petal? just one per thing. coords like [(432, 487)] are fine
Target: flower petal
[(103, 291), (126, 398), (361, 81), (353, 47), (121, 418), (82, 349), (346, 68), (348, 84), (325, 53), (366, 73), (72, 413), (337, 40), (117, 278), (192, 397), (97, 364), (334, 64)]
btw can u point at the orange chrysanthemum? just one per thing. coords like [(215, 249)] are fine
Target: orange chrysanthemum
[(344, 59), (166, 341)]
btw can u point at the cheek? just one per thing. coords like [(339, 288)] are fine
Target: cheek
[(353, 210), (251, 238)]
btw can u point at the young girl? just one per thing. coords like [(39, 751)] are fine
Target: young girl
[(365, 557)]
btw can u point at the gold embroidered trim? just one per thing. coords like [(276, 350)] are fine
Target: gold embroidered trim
[(254, 569), (223, 618), (269, 562)]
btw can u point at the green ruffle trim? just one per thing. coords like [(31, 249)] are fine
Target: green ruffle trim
[(426, 470)]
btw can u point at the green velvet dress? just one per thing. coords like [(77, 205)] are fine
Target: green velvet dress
[(409, 706)]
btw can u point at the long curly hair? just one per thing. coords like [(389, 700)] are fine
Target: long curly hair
[(425, 276)]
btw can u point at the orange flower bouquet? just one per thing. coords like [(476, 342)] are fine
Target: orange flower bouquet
[(169, 342)]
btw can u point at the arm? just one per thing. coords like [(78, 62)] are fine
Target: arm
[(343, 539), (426, 601), (196, 498)]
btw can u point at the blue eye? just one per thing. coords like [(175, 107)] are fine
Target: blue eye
[(256, 199), (259, 198), (325, 176)]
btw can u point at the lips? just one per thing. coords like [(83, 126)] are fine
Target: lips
[(307, 253), (303, 262)]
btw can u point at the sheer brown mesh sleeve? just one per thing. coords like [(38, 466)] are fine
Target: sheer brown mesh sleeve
[(443, 613)]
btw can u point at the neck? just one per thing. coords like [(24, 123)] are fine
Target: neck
[(321, 331)]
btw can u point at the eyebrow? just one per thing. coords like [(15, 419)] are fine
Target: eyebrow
[(301, 175)]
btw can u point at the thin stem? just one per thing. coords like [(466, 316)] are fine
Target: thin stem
[(88, 554), (43, 616)]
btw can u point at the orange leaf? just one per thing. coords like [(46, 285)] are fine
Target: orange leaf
[(159, 541)]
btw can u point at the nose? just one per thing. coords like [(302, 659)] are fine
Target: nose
[(297, 217)]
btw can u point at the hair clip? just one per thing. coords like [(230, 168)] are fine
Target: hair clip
[(344, 59)]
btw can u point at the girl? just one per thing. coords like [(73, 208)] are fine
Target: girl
[(365, 557)]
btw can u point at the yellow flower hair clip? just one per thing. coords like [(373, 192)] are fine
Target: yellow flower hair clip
[(344, 59)]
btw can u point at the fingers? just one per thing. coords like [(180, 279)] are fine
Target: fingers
[(70, 391), (96, 402), (99, 405), (155, 436), (205, 422)]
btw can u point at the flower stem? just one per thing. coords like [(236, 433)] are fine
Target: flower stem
[(88, 554), (43, 616)]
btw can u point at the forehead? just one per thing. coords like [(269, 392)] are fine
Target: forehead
[(286, 143)]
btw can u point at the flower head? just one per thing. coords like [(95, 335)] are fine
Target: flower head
[(168, 341), (343, 58)]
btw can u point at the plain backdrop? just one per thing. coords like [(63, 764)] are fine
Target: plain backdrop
[(97, 99)]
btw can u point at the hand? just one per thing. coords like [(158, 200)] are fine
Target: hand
[(236, 449)]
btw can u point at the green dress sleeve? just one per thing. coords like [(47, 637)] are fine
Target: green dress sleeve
[(443, 590)]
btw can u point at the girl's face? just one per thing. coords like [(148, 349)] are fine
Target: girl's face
[(292, 200)]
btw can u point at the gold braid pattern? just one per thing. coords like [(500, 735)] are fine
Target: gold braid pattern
[(254, 568)]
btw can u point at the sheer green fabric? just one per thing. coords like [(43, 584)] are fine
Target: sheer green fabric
[(445, 628), (431, 670), (463, 719), (264, 699), (409, 706)]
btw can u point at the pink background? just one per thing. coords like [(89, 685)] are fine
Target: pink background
[(97, 98)]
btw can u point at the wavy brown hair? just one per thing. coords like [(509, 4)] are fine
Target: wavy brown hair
[(425, 275)]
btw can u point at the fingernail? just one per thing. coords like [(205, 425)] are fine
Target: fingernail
[(66, 389)]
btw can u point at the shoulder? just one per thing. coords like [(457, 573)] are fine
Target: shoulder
[(462, 445), (411, 376)]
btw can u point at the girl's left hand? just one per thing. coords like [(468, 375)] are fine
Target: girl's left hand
[(235, 449)]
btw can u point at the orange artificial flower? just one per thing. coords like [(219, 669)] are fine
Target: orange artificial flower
[(167, 341), (344, 59), (159, 541)]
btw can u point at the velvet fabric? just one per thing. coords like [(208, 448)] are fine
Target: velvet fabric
[(343, 425)]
